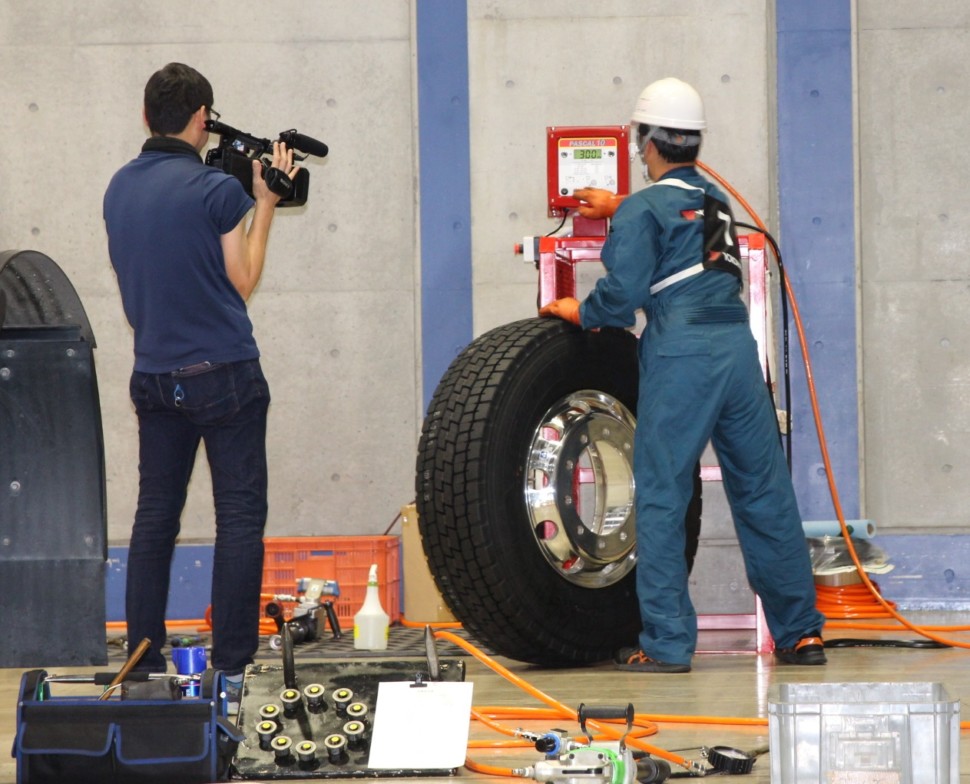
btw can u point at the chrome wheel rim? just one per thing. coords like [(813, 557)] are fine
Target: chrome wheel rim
[(579, 488)]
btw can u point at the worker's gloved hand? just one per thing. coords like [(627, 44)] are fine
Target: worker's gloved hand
[(598, 202), (566, 308)]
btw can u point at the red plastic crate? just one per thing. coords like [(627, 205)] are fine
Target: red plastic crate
[(346, 559)]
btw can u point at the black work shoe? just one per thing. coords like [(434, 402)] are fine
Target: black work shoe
[(808, 650), (635, 660)]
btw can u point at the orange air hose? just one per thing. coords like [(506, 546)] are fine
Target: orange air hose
[(848, 601), (480, 715), (169, 622), (488, 770), (565, 712), (433, 624), (890, 627), (822, 442)]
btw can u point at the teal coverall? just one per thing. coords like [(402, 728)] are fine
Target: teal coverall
[(700, 381)]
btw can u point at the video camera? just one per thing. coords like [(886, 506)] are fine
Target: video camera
[(237, 150)]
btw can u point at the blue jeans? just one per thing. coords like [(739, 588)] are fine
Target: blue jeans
[(224, 405)]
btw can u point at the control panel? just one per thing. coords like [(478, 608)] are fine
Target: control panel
[(585, 157)]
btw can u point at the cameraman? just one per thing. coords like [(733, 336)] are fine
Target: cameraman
[(186, 264)]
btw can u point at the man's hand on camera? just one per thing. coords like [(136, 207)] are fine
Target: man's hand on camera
[(283, 162), (597, 203)]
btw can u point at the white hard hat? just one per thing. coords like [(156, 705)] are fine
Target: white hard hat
[(670, 103)]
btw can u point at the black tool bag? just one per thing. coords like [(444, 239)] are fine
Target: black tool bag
[(84, 739)]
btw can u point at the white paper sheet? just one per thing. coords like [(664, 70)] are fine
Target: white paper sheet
[(420, 727)]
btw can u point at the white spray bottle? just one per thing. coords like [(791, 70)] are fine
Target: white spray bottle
[(371, 622)]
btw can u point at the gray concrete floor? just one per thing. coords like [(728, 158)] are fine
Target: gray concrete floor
[(731, 689)]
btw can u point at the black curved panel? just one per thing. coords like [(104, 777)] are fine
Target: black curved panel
[(53, 525), (39, 294)]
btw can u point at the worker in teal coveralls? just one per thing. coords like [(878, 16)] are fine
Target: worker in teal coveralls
[(672, 252)]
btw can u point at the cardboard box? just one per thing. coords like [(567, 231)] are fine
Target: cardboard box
[(422, 600)]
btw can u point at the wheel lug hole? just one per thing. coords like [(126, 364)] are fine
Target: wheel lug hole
[(546, 530)]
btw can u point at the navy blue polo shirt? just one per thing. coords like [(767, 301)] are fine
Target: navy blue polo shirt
[(165, 212)]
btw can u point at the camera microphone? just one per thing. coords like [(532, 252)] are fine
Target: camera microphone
[(305, 144)]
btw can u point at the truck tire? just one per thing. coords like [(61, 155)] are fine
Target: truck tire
[(525, 491)]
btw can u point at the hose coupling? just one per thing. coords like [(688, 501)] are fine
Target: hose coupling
[(696, 768)]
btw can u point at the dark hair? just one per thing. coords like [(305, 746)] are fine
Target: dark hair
[(172, 95), (674, 153)]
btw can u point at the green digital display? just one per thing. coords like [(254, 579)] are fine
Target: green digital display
[(587, 153)]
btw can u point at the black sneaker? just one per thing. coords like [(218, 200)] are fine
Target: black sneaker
[(635, 660), (808, 650)]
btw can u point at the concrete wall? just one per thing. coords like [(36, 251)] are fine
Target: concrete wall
[(914, 111), (339, 314), (535, 64), (335, 313)]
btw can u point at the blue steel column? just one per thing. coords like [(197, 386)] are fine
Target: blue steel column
[(815, 164), (446, 256)]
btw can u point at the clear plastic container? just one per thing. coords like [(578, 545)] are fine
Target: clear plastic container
[(863, 733)]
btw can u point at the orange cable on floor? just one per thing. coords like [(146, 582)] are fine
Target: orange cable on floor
[(489, 770), (434, 624), (642, 724), (177, 622), (891, 627)]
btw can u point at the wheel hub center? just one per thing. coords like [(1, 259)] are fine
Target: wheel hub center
[(580, 488)]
